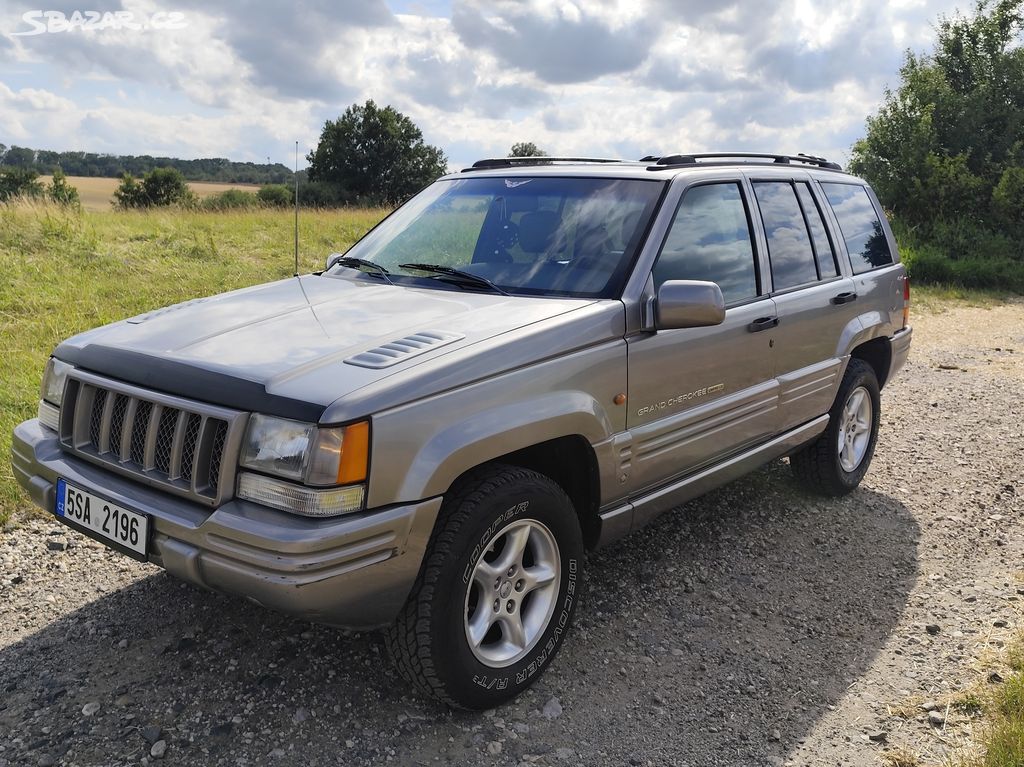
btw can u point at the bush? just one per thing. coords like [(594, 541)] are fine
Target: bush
[(324, 194), (18, 182), (1008, 199), (276, 195), (61, 192), (230, 199), (159, 187)]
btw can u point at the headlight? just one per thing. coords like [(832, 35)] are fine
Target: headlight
[(56, 374), (308, 454), (51, 392)]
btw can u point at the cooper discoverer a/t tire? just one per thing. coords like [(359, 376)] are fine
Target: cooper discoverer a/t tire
[(497, 590)]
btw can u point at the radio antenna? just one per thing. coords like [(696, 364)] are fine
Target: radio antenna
[(296, 209)]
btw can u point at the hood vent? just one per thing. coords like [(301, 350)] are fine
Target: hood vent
[(401, 349)]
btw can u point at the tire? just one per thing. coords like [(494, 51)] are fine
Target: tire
[(824, 466), (456, 639)]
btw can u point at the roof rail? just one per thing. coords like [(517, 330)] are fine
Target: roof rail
[(508, 162), (675, 160)]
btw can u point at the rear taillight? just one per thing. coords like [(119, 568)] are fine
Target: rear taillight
[(906, 301)]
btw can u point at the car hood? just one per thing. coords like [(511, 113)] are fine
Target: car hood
[(297, 345)]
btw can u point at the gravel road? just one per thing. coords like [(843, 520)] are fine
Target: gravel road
[(755, 626)]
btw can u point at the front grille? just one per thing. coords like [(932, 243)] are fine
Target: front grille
[(188, 447)]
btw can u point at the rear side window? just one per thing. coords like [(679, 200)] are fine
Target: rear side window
[(710, 240), (819, 236), (861, 227), (789, 244)]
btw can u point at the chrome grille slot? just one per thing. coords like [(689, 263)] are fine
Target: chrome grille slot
[(187, 447)]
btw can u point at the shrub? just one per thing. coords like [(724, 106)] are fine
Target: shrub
[(18, 182), (230, 199), (159, 187), (277, 195), (61, 192)]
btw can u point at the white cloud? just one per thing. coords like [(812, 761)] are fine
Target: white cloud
[(582, 77)]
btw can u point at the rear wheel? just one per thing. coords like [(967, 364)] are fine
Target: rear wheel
[(837, 461), (496, 592)]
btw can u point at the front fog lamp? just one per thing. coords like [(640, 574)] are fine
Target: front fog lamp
[(308, 501), (52, 389)]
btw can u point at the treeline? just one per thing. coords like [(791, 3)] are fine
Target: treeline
[(218, 169), (945, 152)]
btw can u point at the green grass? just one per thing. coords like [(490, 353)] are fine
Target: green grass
[(961, 254), (66, 271), (1002, 736)]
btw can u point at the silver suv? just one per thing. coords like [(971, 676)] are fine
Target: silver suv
[(529, 359)]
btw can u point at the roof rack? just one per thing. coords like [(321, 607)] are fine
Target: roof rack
[(508, 162), (675, 160)]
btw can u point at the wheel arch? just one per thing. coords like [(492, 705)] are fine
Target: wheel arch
[(571, 463), (876, 352)]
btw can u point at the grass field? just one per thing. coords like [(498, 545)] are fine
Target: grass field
[(64, 272), (97, 194)]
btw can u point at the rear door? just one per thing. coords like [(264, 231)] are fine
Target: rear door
[(696, 394), (814, 300)]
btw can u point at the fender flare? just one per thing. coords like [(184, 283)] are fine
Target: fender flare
[(483, 437)]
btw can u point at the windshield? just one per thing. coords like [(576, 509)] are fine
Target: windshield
[(536, 236)]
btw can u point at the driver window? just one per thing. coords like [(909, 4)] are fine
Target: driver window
[(710, 240)]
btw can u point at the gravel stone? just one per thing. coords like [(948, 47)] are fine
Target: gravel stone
[(151, 734), (552, 709), (90, 709), (159, 749)]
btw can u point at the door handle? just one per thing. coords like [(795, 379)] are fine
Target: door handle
[(763, 323), (844, 298)]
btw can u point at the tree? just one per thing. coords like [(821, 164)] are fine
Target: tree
[(526, 149), (60, 191), (159, 187), (20, 156), (942, 144), (375, 155)]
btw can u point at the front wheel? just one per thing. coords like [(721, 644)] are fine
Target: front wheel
[(837, 461), (496, 592)]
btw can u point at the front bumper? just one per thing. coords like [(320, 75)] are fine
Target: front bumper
[(354, 571)]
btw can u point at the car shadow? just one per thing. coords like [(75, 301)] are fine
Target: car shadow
[(719, 634)]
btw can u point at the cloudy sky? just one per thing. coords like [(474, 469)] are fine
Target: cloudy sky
[(591, 77)]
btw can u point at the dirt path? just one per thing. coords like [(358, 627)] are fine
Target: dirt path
[(755, 626)]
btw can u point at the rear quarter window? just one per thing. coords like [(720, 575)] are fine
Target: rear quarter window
[(861, 228)]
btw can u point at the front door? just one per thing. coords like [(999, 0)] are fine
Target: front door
[(696, 394)]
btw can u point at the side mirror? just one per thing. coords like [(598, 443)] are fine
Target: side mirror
[(333, 259), (689, 304)]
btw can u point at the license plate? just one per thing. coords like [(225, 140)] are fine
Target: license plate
[(125, 530)]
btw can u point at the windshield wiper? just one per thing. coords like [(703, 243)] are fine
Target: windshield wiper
[(361, 264), (469, 277)]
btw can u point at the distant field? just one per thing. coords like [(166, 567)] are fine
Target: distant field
[(66, 271), (98, 193)]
